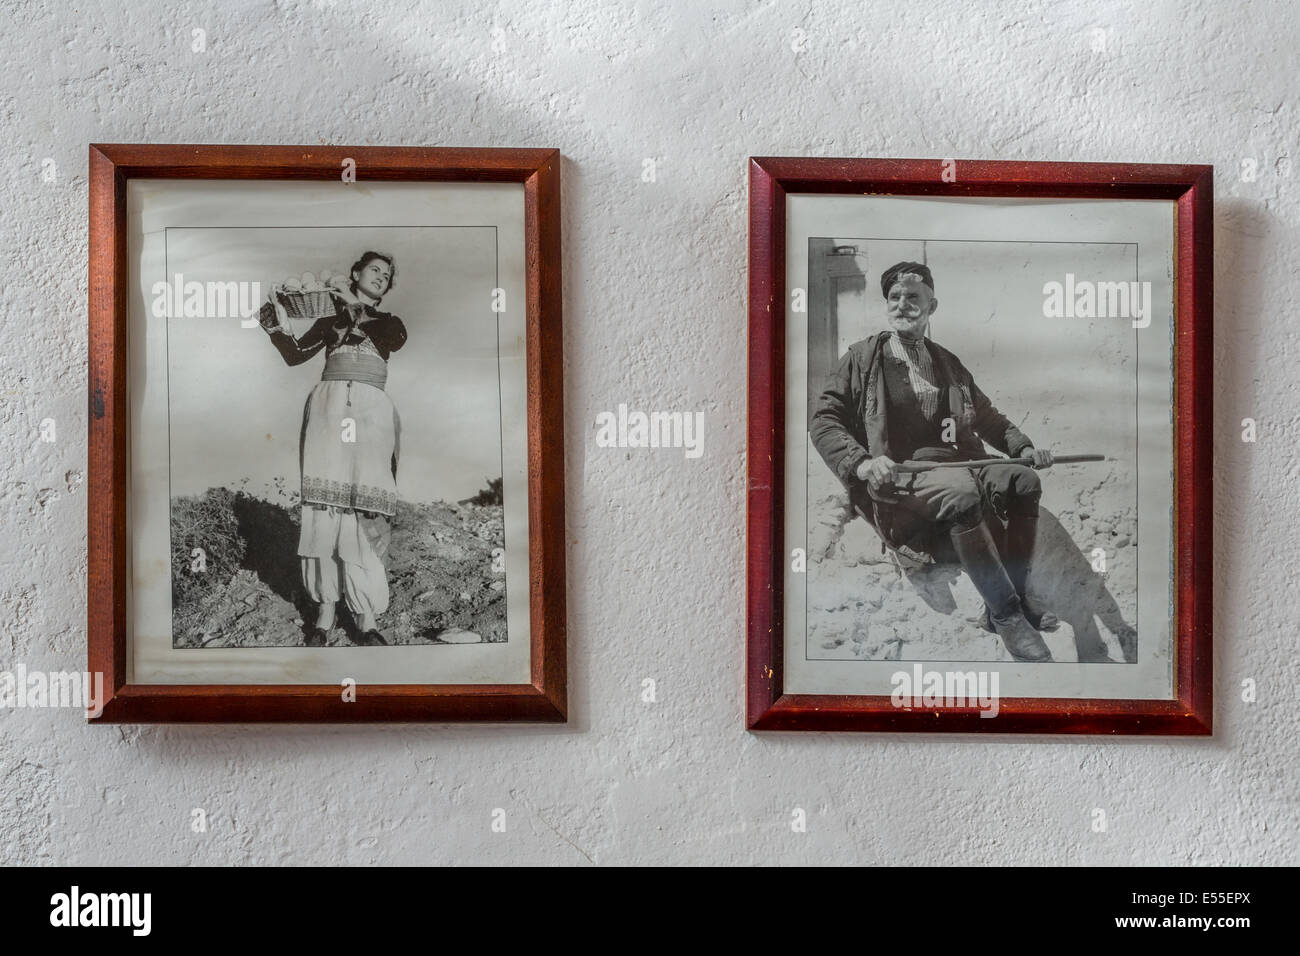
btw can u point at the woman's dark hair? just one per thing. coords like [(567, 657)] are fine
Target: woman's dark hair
[(368, 257)]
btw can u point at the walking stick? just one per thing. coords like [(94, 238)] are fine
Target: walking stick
[(912, 467)]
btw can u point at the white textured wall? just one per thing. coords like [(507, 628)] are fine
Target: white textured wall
[(654, 316)]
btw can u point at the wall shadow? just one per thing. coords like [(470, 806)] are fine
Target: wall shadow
[(1061, 578), (272, 547)]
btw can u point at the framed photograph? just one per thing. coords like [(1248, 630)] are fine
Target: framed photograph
[(979, 446), (326, 429)]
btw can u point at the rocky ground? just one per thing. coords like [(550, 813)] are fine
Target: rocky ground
[(445, 571), (861, 606)]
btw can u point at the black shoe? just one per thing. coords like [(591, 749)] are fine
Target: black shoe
[(315, 637), (373, 638), (1022, 642), (1038, 620)]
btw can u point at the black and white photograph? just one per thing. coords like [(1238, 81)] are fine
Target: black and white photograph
[(337, 500), (981, 386), (339, 463)]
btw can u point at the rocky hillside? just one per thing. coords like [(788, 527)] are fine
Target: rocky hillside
[(244, 589)]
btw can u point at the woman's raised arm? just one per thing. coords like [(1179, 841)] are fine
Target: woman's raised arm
[(294, 352)]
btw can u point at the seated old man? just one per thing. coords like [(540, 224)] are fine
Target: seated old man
[(897, 396)]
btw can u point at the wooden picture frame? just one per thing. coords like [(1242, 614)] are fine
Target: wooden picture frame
[(769, 705), (543, 698)]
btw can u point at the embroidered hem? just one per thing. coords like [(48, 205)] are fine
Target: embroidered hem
[(342, 494)]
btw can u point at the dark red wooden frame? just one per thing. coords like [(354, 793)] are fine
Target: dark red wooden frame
[(1191, 187), (545, 698)]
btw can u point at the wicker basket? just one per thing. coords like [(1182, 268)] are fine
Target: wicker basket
[(307, 305)]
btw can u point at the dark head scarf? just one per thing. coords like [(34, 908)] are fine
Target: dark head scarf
[(890, 275)]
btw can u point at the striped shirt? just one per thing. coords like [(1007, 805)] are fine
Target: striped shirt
[(920, 372)]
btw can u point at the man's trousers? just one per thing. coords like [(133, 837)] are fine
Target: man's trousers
[(923, 503)]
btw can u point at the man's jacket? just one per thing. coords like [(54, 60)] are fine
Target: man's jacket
[(849, 423)]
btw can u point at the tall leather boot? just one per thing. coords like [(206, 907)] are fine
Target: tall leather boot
[(979, 556), (1017, 558), (1016, 545)]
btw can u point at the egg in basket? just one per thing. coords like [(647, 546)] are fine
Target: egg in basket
[(308, 297)]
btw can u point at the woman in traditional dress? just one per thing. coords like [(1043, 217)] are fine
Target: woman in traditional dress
[(348, 448)]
